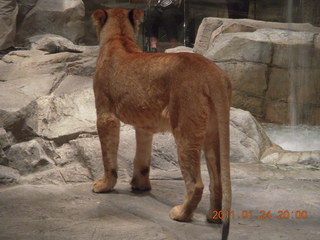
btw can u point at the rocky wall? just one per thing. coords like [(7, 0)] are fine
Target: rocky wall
[(273, 66), (48, 122), (60, 17)]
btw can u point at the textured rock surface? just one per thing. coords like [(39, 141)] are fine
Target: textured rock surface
[(53, 44), (48, 133), (212, 27), (26, 75), (279, 157), (65, 18), (247, 139), (179, 49), (49, 130), (8, 175), (273, 66), (29, 157), (56, 117)]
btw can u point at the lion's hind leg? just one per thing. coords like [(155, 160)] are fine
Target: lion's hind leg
[(108, 129), (189, 160), (189, 135), (211, 149), (141, 166)]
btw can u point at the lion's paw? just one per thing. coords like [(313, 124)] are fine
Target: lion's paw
[(213, 218), (140, 184), (177, 213), (103, 185)]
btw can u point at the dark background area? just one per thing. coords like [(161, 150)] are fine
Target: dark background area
[(195, 10)]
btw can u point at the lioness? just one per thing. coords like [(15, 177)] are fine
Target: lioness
[(183, 93)]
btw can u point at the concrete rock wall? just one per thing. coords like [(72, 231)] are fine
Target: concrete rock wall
[(274, 67), (47, 115), (65, 18), (48, 122)]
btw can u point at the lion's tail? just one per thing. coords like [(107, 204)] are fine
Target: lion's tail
[(222, 101)]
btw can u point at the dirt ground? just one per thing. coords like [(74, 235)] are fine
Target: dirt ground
[(72, 211)]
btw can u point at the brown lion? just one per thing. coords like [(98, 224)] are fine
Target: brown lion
[(180, 92)]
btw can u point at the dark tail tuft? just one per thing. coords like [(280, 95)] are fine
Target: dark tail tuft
[(225, 229)]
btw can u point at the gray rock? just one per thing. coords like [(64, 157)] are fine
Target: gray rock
[(310, 159), (9, 175), (288, 56), (179, 49), (294, 159), (53, 44), (85, 66), (3, 158), (4, 140), (75, 173), (66, 154), (247, 139), (27, 75), (305, 86), (211, 27), (205, 30), (29, 157), (243, 46), (89, 154), (71, 173), (59, 17), (73, 83), (4, 144), (49, 73), (18, 88), (249, 81), (61, 118), (291, 49), (51, 176), (316, 53), (164, 155)]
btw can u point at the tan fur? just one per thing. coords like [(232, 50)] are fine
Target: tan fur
[(183, 93)]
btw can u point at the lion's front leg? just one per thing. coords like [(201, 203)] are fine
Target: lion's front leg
[(108, 129), (140, 180)]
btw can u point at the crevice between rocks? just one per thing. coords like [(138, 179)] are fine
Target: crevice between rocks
[(57, 82)]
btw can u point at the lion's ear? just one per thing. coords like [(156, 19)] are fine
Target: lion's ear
[(99, 18), (136, 17)]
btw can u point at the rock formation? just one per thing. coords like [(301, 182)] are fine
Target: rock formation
[(273, 66), (65, 18), (48, 132)]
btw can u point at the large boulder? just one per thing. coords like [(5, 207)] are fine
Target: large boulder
[(281, 158), (61, 17), (29, 157), (273, 66), (59, 117), (9, 175), (75, 155), (248, 140), (27, 75), (53, 44), (211, 27)]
